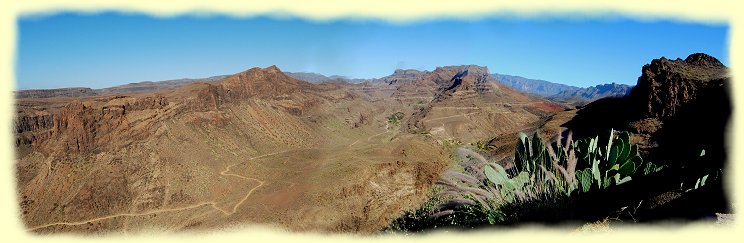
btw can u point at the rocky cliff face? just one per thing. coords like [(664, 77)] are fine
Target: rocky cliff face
[(445, 82), (678, 114), (677, 109), (80, 127), (465, 78), (466, 87), (666, 85)]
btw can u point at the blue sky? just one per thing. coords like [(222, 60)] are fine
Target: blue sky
[(103, 50)]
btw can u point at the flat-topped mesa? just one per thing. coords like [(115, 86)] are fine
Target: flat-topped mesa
[(447, 79), (49, 93), (463, 82), (403, 76), (464, 78), (665, 85)]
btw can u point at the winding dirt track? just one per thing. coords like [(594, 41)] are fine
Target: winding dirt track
[(210, 203), (447, 117), (370, 137)]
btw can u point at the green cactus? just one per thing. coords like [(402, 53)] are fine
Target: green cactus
[(509, 188), (552, 167), (585, 179), (651, 168), (613, 164)]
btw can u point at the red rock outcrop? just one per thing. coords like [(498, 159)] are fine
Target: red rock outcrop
[(80, 126)]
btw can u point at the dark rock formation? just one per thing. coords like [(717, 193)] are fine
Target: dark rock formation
[(665, 85), (678, 109), (678, 105)]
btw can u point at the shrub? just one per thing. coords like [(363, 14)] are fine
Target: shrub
[(484, 145), (395, 118)]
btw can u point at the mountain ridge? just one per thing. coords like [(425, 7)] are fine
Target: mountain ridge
[(542, 88)]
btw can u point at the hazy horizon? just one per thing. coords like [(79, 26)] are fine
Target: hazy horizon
[(110, 49)]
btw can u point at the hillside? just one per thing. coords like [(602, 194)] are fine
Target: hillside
[(207, 155), (466, 104), (148, 86), (263, 147), (656, 155)]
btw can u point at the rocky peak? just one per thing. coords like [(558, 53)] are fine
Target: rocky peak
[(260, 82), (665, 85), (258, 74), (702, 59)]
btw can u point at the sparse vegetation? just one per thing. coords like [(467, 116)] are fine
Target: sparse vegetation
[(395, 118), (420, 131), (484, 145), (451, 142), (542, 186)]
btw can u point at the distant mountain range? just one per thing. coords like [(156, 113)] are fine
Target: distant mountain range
[(139, 87), (317, 78), (583, 96), (533, 86), (561, 92), (541, 88)]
